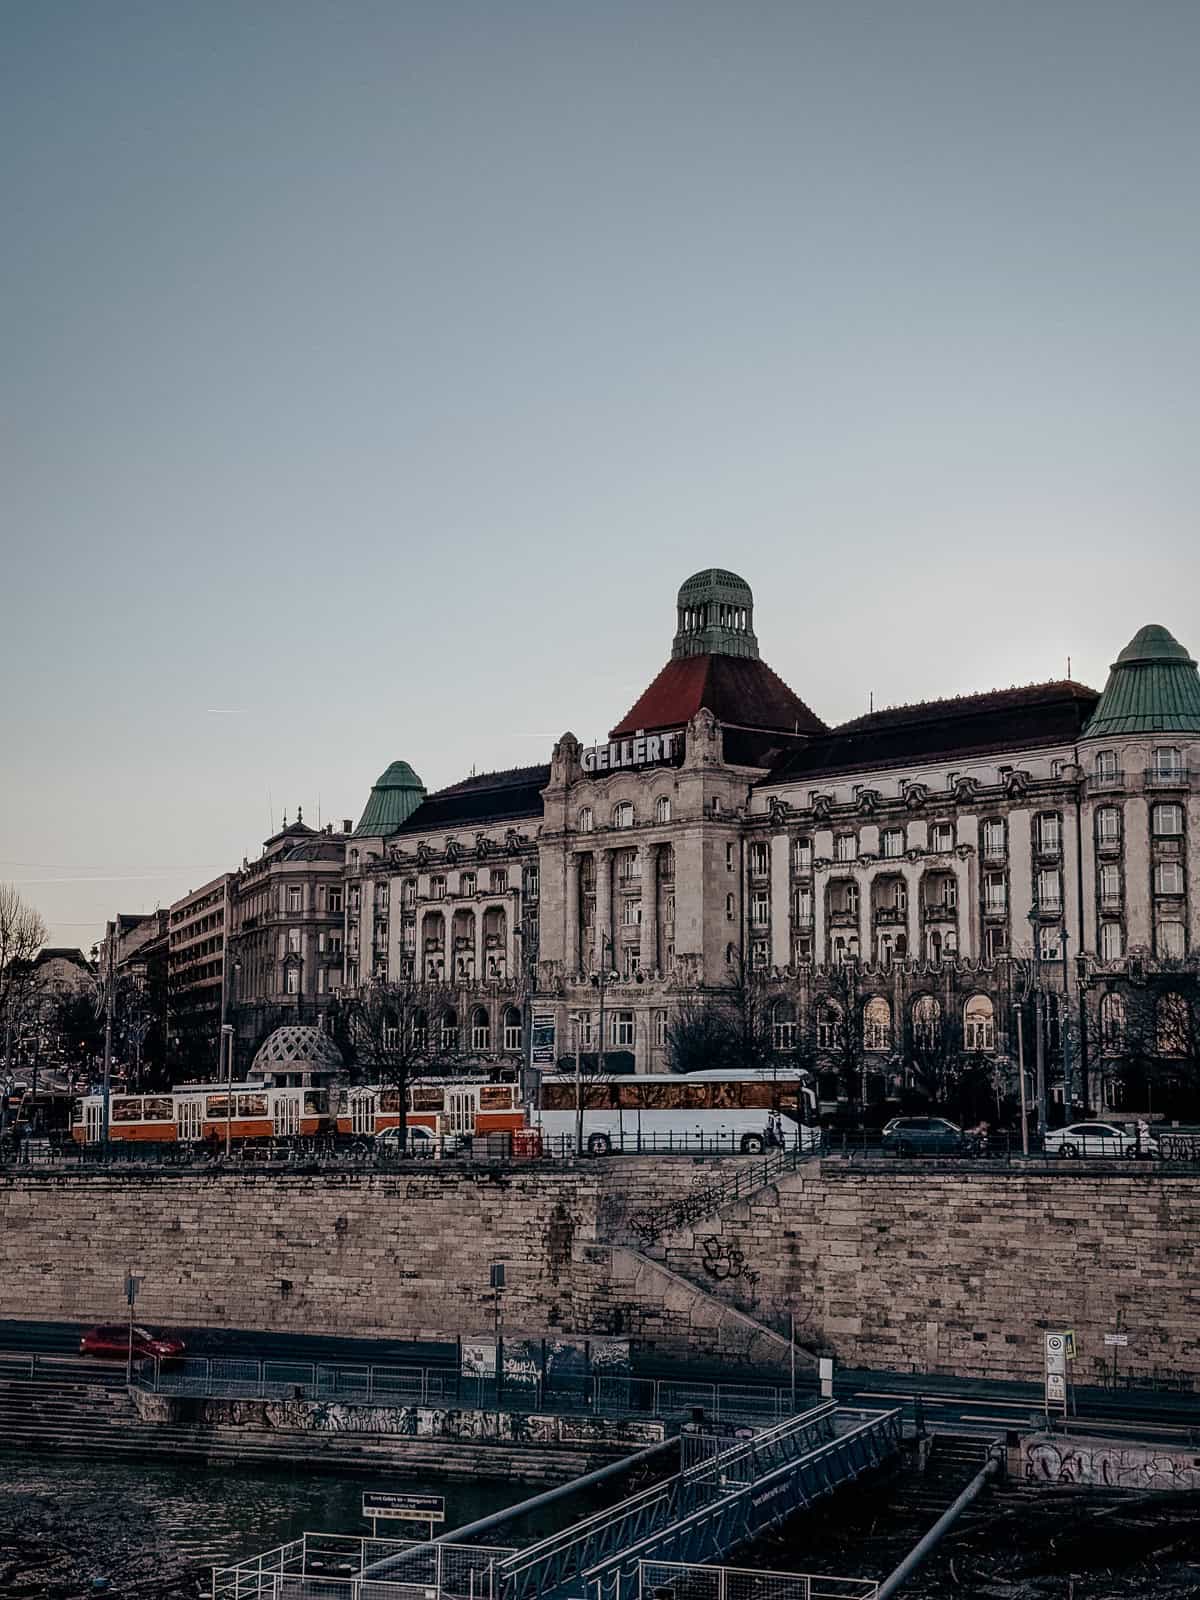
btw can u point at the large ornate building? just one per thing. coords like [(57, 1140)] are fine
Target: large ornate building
[(899, 881)]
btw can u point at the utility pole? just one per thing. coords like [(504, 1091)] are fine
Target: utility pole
[(1039, 1008), (1065, 1030), (1021, 1074), (578, 1088)]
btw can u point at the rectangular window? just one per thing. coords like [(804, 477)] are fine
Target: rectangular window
[(1168, 877), (892, 840), (333, 899), (1049, 834), (293, 941), (996, 942), (584, 1029), (760, 908), (942, 838), (437, 888), (291, 980), (660, 1030), (1110, 885), (1049, 890), (499, 880), (759, 954), (631, 913), (802, 855), (669, 909), (1169, 939), (995, 892), (760, 859), (1106, 765), (845, 847), (293, 897), (532, 883), (802, 908), (1168, 821), (1110, 940), (1168, 763), (1108, 826), (1050, 942), (993, 839), (622, 1028), (466, 884), (729, 858)]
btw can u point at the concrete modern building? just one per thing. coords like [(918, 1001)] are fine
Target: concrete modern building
[(197, 927), (894, 889)]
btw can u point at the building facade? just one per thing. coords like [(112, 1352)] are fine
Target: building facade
[(197, 928), (286, 930), (896, 890)]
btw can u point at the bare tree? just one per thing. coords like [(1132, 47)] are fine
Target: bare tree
[(398, 1038), (1145, 1032), (22, 935), (724, 1026), (839, 1012)]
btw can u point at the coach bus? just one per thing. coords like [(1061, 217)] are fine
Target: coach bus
[(738, 1110)]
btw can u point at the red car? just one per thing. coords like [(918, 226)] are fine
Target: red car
[(112, 1339)]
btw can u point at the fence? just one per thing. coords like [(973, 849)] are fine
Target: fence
[(330, 1566), (613, 1396), (648, 1225), (674, 1580)]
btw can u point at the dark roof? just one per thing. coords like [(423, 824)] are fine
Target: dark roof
[(53, 952), (739, 690), (968, 725), (482, 798), (394, 796)]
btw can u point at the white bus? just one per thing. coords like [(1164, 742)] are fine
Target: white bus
[(732, 1111)]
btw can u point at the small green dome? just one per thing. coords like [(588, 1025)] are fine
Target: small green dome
[(394, 797), (1153, 687)]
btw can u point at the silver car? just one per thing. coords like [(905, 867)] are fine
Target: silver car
[(1099, 1139)]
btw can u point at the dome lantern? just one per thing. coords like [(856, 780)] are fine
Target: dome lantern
[(715, 616)]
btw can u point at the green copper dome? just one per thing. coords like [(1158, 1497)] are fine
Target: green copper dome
[(1153, 687), (395, 795)]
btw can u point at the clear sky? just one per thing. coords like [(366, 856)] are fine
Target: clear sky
[(373, 373)]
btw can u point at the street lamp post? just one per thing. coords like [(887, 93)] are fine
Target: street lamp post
[(1065, 1030)]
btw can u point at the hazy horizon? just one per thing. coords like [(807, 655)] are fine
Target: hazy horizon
[(375, 374)]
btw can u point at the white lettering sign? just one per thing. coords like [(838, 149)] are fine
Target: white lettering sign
[(643, 750)]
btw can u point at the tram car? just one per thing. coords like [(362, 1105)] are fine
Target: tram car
[(457, 1107), (200, 1111)]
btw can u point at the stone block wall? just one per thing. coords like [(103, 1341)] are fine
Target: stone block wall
[(896, 1267)]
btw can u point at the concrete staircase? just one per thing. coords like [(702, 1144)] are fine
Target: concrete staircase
[(97, 1418)]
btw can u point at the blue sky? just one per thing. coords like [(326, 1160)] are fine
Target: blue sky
[(374, 373)]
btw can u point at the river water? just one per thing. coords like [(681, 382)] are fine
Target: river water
[(157, 1529)]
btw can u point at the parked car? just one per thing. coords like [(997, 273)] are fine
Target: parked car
[(922, 1136), (421, 1141), (1099, 1139), (112, 1339)]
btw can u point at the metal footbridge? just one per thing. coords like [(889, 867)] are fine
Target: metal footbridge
[(708, 1509), (723, 1496)]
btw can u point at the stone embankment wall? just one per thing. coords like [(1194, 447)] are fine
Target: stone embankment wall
[(912, 1269)]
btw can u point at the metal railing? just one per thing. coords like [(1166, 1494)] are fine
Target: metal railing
[(330, 1566), (220, 1377), (678, 1580), (650, 1224)]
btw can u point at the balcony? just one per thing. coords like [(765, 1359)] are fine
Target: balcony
[(1048, 849), (995, 908), (843, 917), (1110, 902), (1103, 782), (802, 920), (940, 910), (1167, 777), (1109, 846), (891, 916)]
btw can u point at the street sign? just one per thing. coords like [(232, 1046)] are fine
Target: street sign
[(1056, 1387), (1056, 1369), (1069, 1344), (1116, 1338), (404, 1507)]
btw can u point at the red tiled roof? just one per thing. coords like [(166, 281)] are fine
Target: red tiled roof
[(739, 691)]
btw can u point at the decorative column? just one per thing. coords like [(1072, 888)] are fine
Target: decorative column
[(511, 912), (571, 942), (648, 955), (820, 932), (604, 861)]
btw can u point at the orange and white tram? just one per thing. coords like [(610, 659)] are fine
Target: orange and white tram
[(200, 1111), (454, 1106)]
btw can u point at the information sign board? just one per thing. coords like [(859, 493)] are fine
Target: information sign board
[(404, 1507)]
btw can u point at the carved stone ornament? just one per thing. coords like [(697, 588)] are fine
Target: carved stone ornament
[(966, 790), (916, 795), (424, 854), (822, 806), (483, 846), (779, 811), (963, 851), (453, 850), (1017, 782), (868, 800), (513, 841)]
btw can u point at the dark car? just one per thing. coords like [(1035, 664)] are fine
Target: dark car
[(922, 1136), (112, 1339)]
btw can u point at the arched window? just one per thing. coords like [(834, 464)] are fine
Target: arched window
[(513, 1032), (926, 1023), (1173, 1025), (662, 808), (1112, 1022), (449, 1030), (877, 1024), (979, 1023), (481, 1030), (622, 816), (585, 819), (829, 1025), (783, 1025)]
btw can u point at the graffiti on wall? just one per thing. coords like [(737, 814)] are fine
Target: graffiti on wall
[(725, 1262), (1100, 1464)]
